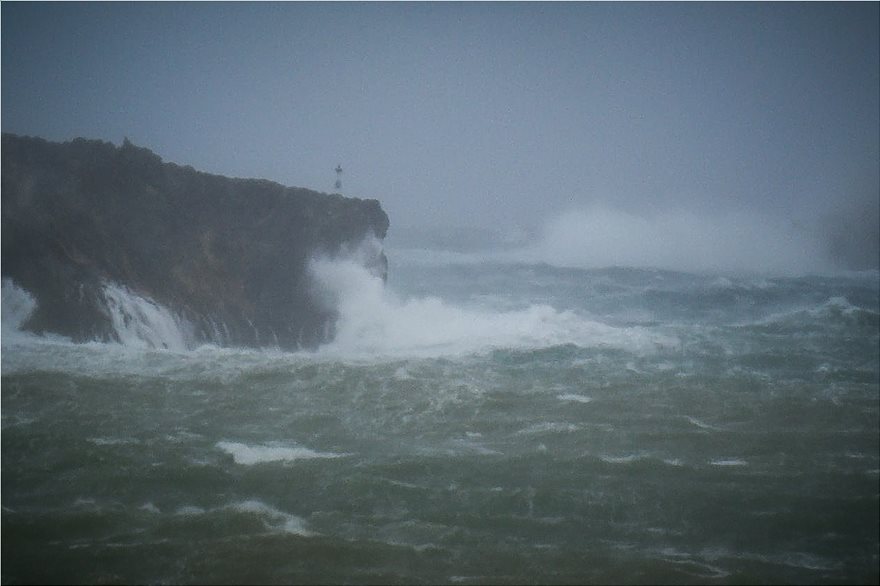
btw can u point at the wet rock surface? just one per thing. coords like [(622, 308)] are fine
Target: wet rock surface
[(226, 256)]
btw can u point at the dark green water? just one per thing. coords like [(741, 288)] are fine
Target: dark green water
[(527, 425)]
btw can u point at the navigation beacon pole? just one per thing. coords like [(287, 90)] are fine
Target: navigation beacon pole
[(338, 183)]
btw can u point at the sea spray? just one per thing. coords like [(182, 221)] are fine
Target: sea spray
[(17, 306), (141, 322), (248, 455), (676, 240), (747, 450), (374, 320)]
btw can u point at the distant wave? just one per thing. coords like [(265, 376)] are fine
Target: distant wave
[(834, 309), (273, 518), (728, 462), (688, 241), (575, 398)]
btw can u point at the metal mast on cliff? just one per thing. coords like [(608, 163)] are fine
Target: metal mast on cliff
[(338, 183)]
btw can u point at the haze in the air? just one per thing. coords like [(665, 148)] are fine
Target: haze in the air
[(695, 136)]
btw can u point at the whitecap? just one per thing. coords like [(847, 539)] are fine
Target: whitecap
[(275, 519), (549, 427), (627, 459), (402, 374), (249, 455), (700, 424), (841, 304), (728, 462), (464, 446), (700, 569), (111, 441), (575, 398)]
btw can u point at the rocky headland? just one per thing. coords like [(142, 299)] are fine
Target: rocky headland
[(110, 239)]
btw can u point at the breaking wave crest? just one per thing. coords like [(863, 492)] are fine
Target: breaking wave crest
[(137, 321), (141, 322), (17, 306), (247, 455), (373, 320), (834, 311)]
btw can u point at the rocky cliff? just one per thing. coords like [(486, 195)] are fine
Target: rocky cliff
[(108, 239)]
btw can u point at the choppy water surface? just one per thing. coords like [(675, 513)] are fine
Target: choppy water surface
[(475, 423)]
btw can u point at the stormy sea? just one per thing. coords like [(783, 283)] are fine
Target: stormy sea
[(477, 420)]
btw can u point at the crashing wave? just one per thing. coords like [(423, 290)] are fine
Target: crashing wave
[(140, 322)]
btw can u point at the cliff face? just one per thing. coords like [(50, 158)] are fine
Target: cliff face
[(227, 257)]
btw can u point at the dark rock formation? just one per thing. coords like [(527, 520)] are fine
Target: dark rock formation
[(227, 256)]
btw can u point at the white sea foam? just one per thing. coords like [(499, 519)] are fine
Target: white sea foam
[(469, 446), (627, 459), (149, 507), (700, 424), (141, 322), (374, 321), (794, 559), (549, 427), (728, 462), (111, 441), (575, 398), (249, 455), (402, 374), (275, 519), (836, 304), (17, 306), (698, 566), (830, 308)]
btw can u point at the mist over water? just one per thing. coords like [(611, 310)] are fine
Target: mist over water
[(602, 235), (687, 241)]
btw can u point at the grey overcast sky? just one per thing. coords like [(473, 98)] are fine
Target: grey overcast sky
[(476, 113)]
